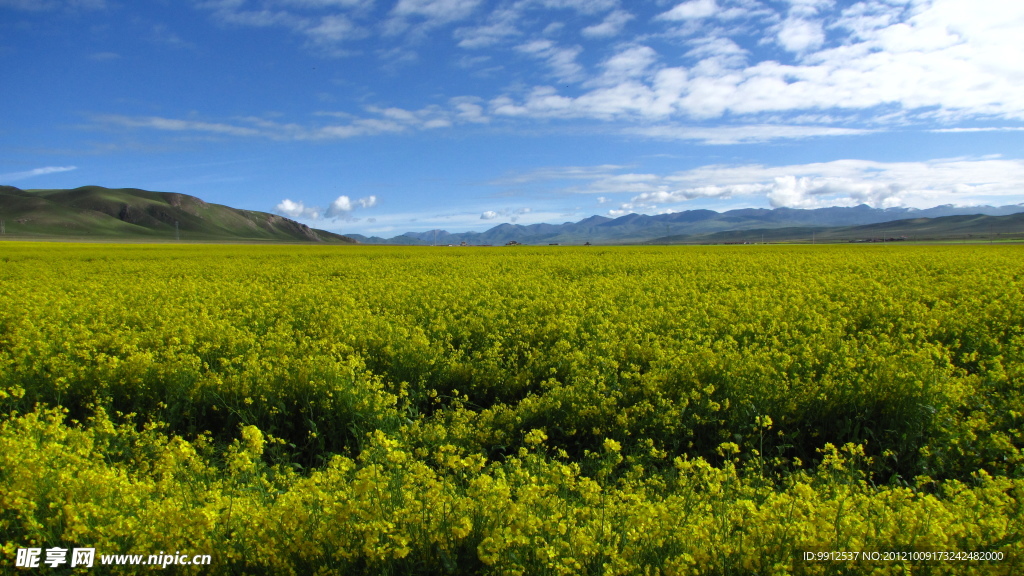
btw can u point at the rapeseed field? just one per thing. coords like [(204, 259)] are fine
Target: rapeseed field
[(731, 410)]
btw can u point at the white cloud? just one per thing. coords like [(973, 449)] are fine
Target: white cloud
[(511, 214), (391, 120), (468, 109), (837, 183), (988, 129), (558, 173), (341, 205), (936, 60), (692, 10), (553, 29), (871, 63), (501, 24), (812, 7), (799, 35), (177, 125), (429, 13), (234, 12), (805, 192), (724, 51), (324, 32), (852, 182), (747, 134), (333, 29), (612, 25), (561, 60), (297, 210), (340, 209), (436, 10), (864, 18), (14, 176), (628, 64), (581, 6)]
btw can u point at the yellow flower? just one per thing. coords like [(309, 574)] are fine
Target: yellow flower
[(535, 437)]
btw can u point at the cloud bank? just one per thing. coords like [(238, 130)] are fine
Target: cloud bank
[(961, 181), (340, 209), (717, 72)]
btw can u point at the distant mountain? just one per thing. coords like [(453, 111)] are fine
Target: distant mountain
[(635, 228), (946, 228), (95, 212)]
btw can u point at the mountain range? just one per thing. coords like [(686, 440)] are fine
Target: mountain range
[(94, 212), (691, 225)]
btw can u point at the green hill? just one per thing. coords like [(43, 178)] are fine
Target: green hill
[(94, 212)]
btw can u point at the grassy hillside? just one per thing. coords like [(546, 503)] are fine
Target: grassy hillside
[(133, 214)]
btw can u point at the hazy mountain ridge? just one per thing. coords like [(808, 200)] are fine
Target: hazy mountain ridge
[(131, 213), (974, 227), (690, 223)]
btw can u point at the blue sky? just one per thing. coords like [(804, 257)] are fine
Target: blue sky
[(387, 116)]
